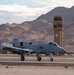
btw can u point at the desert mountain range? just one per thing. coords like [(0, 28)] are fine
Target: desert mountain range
[(41, 29)]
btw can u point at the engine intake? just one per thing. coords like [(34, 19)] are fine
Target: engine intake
[(21, 44), (30, 43)]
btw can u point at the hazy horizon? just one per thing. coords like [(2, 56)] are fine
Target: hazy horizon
[(18, 11)]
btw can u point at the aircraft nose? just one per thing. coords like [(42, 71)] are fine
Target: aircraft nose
[(63, 50)]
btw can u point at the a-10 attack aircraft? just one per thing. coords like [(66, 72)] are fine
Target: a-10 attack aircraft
[(24, 48)]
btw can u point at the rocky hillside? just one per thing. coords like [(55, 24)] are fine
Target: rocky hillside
[(41, 29)]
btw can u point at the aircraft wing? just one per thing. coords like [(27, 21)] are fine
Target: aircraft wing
[(16, 48)]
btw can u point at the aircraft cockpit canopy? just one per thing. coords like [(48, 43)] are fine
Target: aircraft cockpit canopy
[(53, 43)]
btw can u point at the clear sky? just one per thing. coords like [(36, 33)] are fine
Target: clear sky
[(18, 11)]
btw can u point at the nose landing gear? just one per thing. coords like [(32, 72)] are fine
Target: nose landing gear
[(51, 59)]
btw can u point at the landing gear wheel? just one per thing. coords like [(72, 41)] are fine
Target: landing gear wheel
[(38, 58), (22, 58), (51, 59)]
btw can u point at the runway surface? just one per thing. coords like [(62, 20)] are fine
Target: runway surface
[(31, 61), (38, 63)]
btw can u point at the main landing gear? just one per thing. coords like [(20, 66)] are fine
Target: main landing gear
[(22, 58), (38, 58)]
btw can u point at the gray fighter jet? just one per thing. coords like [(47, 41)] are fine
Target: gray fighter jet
[(24, 48)]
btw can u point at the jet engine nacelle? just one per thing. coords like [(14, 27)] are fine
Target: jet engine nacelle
[(28, 43), (18, 44), (21, 44)]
